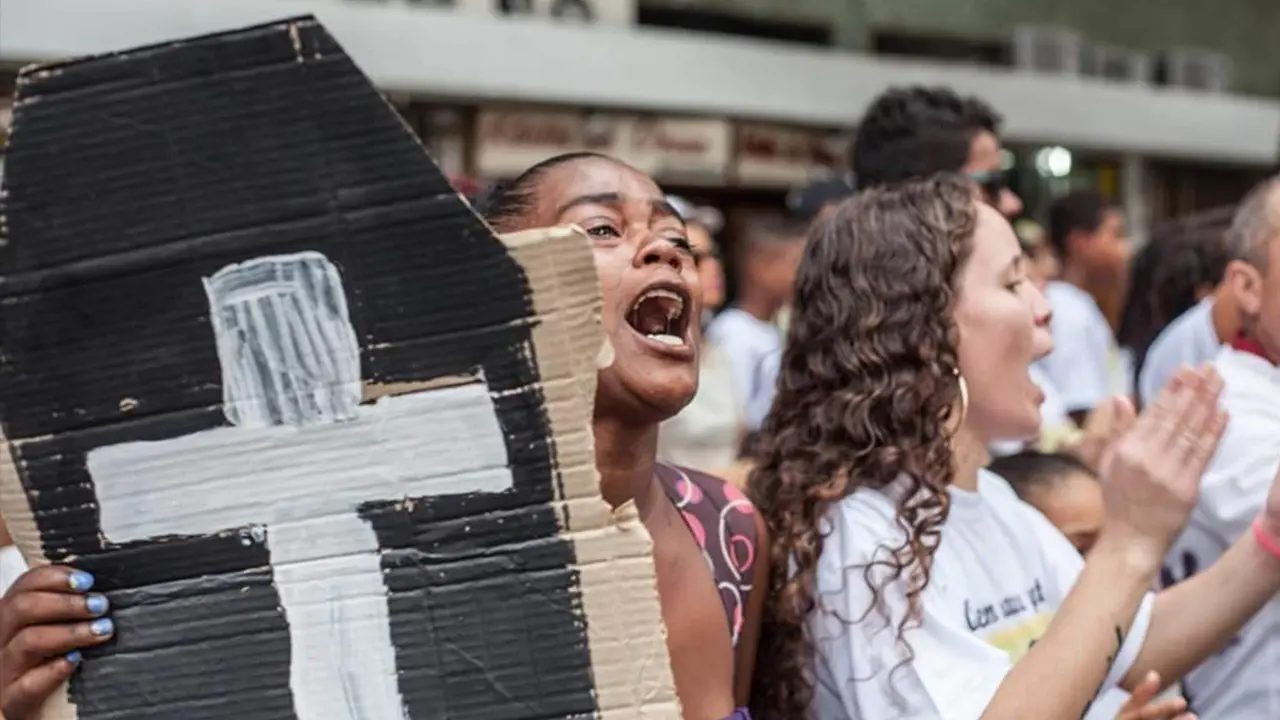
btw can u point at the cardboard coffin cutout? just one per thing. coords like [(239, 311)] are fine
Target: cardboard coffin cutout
[(322, 438)]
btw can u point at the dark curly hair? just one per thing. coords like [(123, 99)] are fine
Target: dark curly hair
[(866, 394), (914, 132), (1184, 256)]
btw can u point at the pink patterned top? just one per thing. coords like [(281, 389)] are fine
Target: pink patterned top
[(723, 522)]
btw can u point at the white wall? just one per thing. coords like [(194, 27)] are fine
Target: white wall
[(454, 54)]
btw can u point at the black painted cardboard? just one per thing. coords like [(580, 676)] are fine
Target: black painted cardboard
[(203, 243)]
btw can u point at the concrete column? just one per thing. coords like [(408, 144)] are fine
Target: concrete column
[(1135, 197)]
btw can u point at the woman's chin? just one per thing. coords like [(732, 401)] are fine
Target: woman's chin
[(1023, 425)]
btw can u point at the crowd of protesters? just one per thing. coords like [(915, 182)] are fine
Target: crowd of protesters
[(965, 496)]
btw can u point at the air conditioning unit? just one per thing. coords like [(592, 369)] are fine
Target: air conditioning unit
[(1194, 69), (1047, 50), (1116, 63)]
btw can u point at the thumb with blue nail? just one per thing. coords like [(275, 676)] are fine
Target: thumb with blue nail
[(46, 618)]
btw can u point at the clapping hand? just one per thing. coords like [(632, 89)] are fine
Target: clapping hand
[(1151, 474)]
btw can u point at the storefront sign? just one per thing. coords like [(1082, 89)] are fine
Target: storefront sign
[(776, 156), (671, 150), (510, 141)]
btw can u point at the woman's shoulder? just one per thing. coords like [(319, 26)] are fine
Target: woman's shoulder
[(858, 528), (691, 488)]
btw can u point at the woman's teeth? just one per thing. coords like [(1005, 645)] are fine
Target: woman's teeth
[(657, 315), (671, 302)]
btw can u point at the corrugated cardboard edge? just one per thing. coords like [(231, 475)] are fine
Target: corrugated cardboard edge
[(614, 551), (15, 508), (18, 517)]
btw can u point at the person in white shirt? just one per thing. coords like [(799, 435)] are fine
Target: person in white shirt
[(1192, 339), (707, 434), (1173, 316), (919, 586), (1086, 365), (1241, 682), (770, 250)]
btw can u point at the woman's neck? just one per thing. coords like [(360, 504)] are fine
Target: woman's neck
[(625, 456), (969, 455), (761, 308)]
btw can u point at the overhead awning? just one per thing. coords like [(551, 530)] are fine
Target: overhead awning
[(452, 54)]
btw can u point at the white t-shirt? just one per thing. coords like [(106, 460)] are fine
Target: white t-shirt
[(1189, 340), (11, 566), (751, 344), (1000, 574), (707, 434), (1086, 365), (1241, 682)]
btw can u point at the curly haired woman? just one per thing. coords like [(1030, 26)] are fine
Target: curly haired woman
[(908, 582)]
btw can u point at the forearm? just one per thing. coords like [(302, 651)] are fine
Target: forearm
[(1085, 637), (1196, 617)]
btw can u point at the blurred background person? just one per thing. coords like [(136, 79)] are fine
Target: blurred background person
[(1061, 487), (1087, 365), (707, 434), (817, 198), (914, 132), (1175, 315), (768, 254), (805, 204), (1044, 266)]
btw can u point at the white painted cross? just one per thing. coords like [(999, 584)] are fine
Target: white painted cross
[(301, 457)]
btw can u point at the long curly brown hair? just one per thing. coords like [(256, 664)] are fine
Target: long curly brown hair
[(868, 392)]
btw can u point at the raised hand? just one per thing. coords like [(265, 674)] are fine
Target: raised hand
[(1151, 476), (45, 618), (1142, 704)]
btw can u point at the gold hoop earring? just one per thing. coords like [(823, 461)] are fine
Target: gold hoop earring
[(964, 395)]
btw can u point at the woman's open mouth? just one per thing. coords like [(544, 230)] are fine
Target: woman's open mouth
[(661, 316)]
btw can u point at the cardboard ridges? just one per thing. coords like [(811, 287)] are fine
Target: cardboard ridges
[(322, 438)]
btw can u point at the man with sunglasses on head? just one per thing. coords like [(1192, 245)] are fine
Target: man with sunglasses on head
[(914, 132)]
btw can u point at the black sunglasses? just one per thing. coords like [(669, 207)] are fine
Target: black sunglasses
[(992, 182)]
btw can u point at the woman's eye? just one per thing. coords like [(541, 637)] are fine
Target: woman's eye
[(683, 244), (603, 231), (1014, 286)]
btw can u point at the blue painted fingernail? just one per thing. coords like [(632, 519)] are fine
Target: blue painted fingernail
[(80, 580), (102, 627), (73, 657), (97, 604)]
